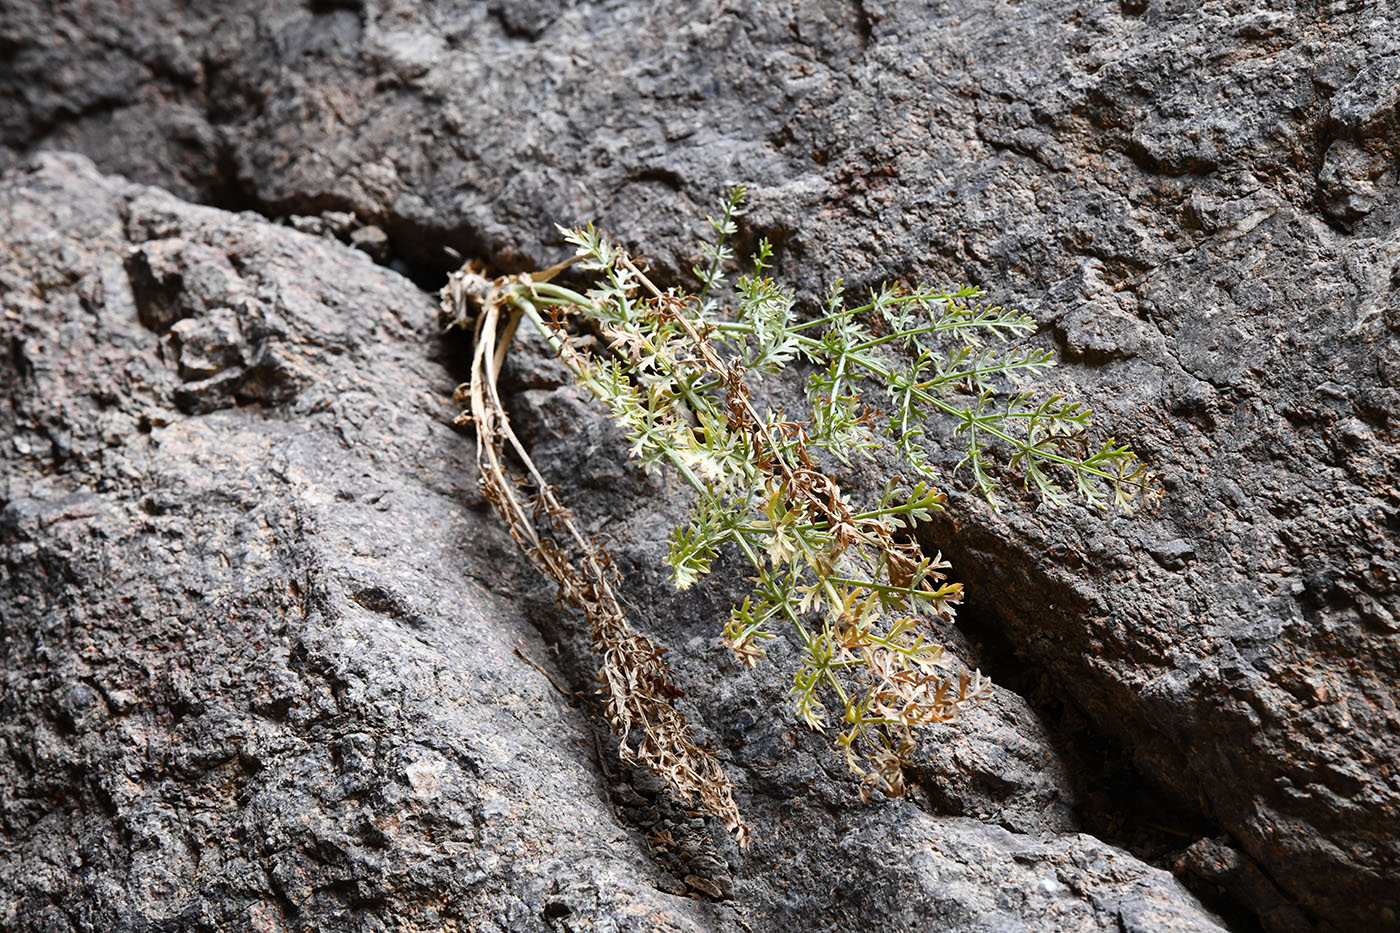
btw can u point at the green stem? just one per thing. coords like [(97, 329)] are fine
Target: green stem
[(1029, 362), (870, 365), (885, 588), (580, 374), (945, 325), (729, 206), (852, 312), (551, 290)]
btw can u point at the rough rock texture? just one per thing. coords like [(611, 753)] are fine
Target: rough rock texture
[(251, 678), (1197, 198), (259, 640)]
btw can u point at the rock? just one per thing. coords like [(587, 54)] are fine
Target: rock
[(372, 241), (1369, 105), (1216, 862), (260, 658), (1173, 554), (1199, 199), (1348, 181), (270, 751)]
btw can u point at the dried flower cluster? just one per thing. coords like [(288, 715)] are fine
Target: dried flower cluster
[(850, 582)]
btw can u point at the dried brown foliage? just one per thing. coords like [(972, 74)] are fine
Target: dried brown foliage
[(636, 680)]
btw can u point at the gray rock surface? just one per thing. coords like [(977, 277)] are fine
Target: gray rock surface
[(253, 678), (1197, 198), (259, 640)]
